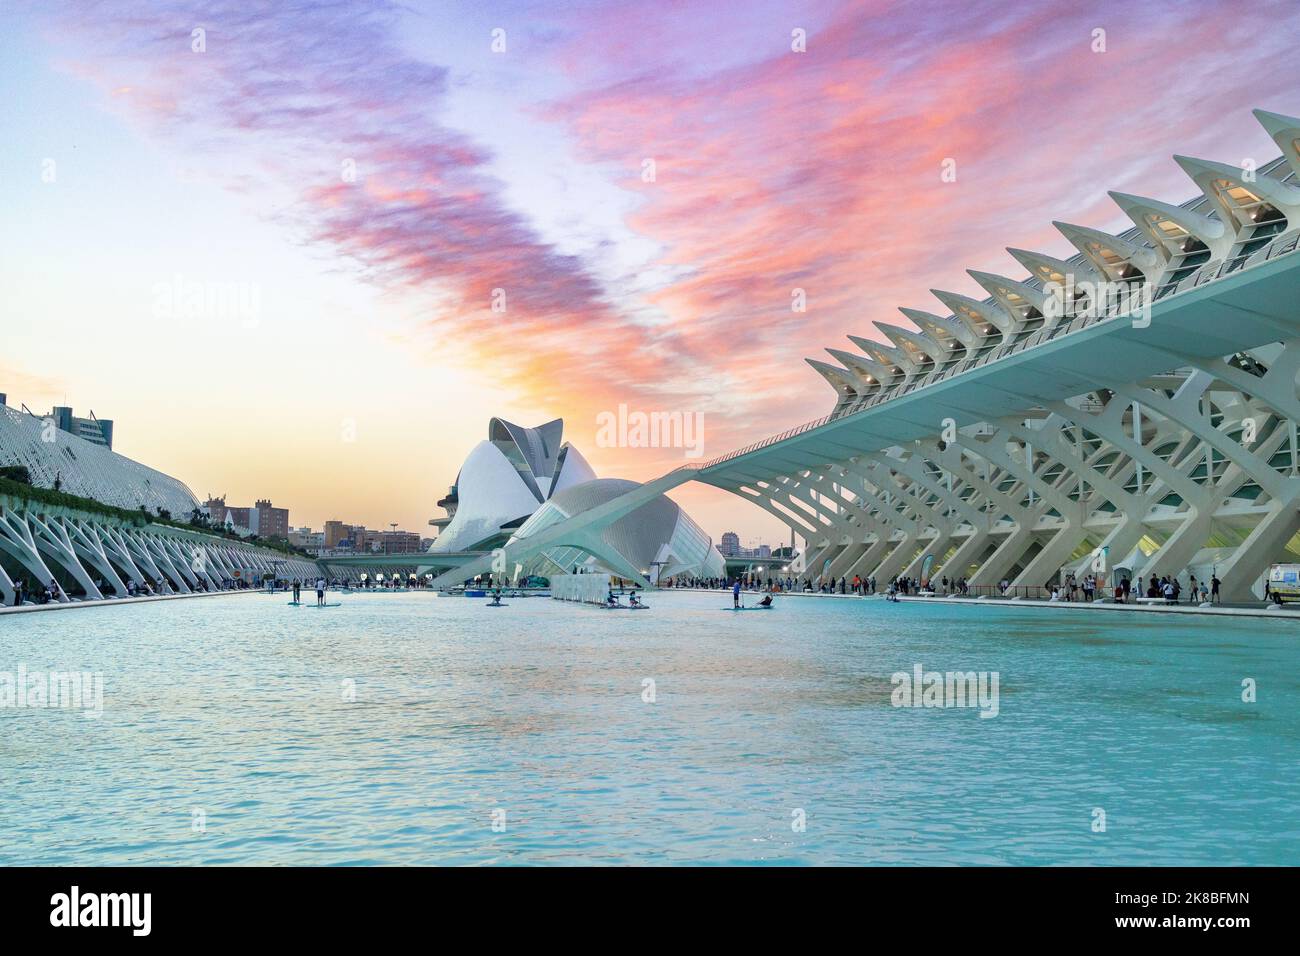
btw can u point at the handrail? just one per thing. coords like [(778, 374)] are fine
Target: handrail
[(1076, 323)]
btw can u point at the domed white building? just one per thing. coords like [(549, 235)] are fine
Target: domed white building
[(522, 480), (503, 481)]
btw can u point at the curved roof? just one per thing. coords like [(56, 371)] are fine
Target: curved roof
[(490, 492), (657, 532), (86, 469)]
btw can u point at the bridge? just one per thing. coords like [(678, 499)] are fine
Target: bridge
[(1131, 407), (415, 562)]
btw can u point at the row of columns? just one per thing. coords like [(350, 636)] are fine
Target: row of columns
[(1070, 485), (89, 551)]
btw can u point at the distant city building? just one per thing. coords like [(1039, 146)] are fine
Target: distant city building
[(389, 542), (730, 548), (98, 431), (269, 521), (310, 541), (261, 519), (339, 537), (217, 510), (336, 532)]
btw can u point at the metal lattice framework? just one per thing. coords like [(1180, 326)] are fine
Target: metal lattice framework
[(1132, 407), (85, 469), (101, 555)]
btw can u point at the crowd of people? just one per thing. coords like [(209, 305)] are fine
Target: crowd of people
[(775, 585), (1085, 588)]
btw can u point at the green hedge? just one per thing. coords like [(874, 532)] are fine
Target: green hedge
[(18, 473), (62, 499)]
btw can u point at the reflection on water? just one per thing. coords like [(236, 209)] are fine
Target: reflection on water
[(236, 709)]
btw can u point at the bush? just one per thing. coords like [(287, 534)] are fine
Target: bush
[(61, 499), (18, 473)]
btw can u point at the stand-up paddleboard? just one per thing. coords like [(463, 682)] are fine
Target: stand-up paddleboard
[(293, 603), (756, 607), (319, 606), (490, 604)]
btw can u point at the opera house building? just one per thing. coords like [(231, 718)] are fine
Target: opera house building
[(520, 481)]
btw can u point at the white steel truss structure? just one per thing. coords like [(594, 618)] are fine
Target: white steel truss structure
[(87, 470), (100, 555), (1131, 409)]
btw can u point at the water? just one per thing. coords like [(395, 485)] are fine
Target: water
[(234, 706)]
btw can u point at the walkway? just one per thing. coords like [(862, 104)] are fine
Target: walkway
[(1218, 610), (111, 602)]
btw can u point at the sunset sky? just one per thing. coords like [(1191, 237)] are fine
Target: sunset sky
[(362, 176)]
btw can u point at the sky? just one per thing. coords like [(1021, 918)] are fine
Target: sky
[(304, 251)]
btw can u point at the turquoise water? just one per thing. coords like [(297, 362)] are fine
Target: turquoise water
[(234, 705)]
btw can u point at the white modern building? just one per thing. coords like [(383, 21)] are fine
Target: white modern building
[(92, 554), (521, 481), (86, 468), (1125, 409), (503, 481)]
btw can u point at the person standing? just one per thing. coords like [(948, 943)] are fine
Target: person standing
[(320, 592), (1214, 589), (735, 594)]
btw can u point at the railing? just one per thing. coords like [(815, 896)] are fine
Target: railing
[(1077, 323), (1025, 592)]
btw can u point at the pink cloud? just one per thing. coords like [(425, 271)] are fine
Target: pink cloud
[(821, 170), (775, 170)]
